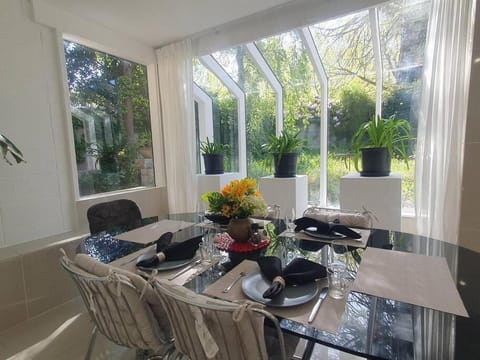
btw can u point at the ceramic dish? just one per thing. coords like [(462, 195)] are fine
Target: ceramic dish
[(254, 285)]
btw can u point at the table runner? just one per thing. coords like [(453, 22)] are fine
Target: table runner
[(327, 319), (411, 278), (150, 233), (360, 243)]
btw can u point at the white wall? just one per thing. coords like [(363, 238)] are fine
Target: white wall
[(37, 199)]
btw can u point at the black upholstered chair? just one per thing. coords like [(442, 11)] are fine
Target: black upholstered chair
[(117, 213)]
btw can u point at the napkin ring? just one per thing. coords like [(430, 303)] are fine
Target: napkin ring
[(280, 280)]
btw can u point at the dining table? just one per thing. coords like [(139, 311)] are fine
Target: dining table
[(370, 325)]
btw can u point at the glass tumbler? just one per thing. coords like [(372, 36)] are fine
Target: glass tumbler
[(337, 270)]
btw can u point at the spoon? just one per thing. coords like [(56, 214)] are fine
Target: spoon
[(229, 287)]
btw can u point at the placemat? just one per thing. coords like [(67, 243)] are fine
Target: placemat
[(411, 278), (128, 263), (328, 316), (150, 233), (360, 243)]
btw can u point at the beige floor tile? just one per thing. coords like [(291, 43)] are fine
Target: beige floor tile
[(62, 333)]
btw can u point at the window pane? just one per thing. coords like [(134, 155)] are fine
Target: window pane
[(225, 114), (345, 47), (260, 104), (110, 119), (403, 26), (290, 63)]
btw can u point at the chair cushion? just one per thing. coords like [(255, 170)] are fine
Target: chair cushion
[(97, 268)]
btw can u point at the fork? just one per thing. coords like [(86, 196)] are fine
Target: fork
[(229, 287)]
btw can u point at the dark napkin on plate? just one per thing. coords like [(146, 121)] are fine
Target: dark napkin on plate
[(324, 228), (299, 271), (176, 251)]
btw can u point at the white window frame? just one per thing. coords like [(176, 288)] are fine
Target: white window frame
[(211, 64), (265, 69), (205, 116), (157, 143)]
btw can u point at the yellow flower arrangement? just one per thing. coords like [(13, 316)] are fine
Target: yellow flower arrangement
[(239, 199)]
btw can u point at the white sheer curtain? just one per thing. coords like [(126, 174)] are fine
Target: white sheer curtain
[(176, 88), (439, 158), (442, 118)]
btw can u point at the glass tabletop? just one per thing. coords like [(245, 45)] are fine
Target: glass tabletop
[(371, 327)]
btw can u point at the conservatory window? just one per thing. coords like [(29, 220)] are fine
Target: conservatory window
[(261, 100), (111, 120), (224, 119), (325, 80), (289, 61), (346, 49)]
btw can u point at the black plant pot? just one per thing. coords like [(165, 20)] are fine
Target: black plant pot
[(375, 162), (285, 165), (213, 164)]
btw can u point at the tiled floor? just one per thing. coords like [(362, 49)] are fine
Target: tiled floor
[(64, 333)]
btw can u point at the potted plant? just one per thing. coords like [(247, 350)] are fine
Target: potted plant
[(213, 155), (283, 151), (9, 147), (377, 141)]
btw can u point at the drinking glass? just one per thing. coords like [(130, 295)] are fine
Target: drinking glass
[(337, 270), (289, 222)]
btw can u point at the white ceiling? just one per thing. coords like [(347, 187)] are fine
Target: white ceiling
[(159, 22)]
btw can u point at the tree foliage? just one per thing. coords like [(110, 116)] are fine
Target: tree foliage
[(113, 92)]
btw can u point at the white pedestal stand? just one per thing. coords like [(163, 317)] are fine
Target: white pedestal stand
[(380, 195), (288, 193)]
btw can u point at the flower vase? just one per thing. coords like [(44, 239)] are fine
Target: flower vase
[(240, 230)]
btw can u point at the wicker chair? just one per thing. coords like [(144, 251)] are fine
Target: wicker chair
[(207, 328), (123, 307), (117, 213)]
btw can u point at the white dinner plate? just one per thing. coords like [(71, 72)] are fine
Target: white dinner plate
[(167, 265), (255, 284)]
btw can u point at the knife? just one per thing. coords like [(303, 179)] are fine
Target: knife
[(314, 312), (185, 269)]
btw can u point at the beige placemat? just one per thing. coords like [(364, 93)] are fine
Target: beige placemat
[(150, 233), (415, 279), (361, 243), (327, 319), (128, 263)]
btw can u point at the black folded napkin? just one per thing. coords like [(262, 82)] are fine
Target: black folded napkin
[(299, 271), (320, 227), (176, 251), (163, 241)]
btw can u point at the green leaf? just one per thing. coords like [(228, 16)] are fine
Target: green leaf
[(9, 147)]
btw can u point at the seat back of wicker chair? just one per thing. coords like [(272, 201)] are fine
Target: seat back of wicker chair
[(123, 213), (118, 306), (207, 328)]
